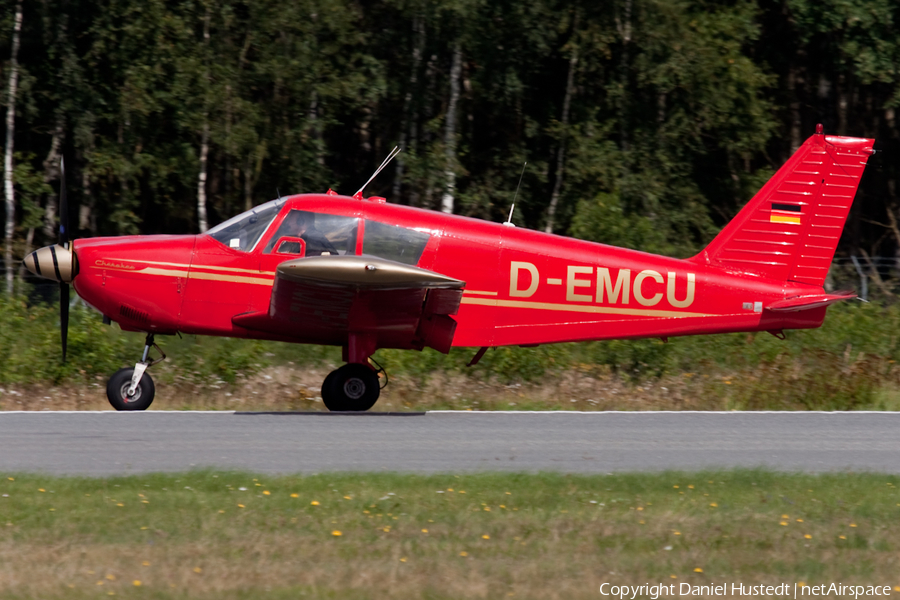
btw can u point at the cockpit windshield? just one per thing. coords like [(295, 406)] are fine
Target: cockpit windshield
[(243, 231)]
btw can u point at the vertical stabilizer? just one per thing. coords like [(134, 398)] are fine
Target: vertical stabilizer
[(791, 227)]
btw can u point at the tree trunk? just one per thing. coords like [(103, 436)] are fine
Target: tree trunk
[(8, 158), (624, 28), (561, 152), (447, 200), (794, 98), (418, 47), (204, 140), (51, 173)]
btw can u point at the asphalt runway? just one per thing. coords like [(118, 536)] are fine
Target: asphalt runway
[(108, 443)]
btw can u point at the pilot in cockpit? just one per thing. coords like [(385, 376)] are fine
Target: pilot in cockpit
[(301, 224)]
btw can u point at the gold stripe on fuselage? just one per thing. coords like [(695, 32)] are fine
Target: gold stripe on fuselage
[(261, 277), (582, 308)]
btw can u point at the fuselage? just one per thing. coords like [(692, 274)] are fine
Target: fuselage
[(522, 287)]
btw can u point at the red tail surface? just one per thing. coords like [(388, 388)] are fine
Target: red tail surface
[(791, 227)]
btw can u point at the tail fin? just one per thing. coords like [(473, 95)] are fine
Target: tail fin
[(791, 227)]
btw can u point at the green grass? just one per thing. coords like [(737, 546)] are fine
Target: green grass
[(199, 535)]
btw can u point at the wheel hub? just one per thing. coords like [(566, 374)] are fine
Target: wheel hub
[(354, 388), (130, 398)]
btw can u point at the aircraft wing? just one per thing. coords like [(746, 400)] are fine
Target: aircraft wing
[(322, 299)]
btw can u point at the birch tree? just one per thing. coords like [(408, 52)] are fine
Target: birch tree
[(8, 156)]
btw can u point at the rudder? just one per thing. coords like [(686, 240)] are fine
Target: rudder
[(790, 229)]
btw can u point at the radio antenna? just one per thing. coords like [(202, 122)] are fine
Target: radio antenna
[(389, 158), (509, 222)]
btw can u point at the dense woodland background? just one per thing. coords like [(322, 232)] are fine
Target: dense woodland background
[(645, 123)]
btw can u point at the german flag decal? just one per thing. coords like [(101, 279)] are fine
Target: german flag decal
[(785, 213)]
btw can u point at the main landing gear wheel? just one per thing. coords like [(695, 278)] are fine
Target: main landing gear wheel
[(118, 386), (353, 387)]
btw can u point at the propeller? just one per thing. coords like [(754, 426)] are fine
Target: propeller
[(63, 241)]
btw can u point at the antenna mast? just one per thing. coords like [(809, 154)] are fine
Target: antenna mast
[(508, 221), (390, 157)]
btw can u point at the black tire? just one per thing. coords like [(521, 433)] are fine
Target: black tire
[(117, 391), (352, 388)]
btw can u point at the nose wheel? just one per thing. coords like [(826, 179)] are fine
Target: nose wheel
[(353, 387), (132, 388)]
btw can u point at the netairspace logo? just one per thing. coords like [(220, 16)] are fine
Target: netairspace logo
[(789, 590)]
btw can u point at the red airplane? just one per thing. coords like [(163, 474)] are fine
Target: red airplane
[(362, 274)]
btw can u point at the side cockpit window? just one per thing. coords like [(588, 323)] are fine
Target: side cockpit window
[(394, 243), (243, 231), (320, 233)]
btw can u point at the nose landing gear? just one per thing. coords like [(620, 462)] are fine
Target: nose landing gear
[(131, 388)]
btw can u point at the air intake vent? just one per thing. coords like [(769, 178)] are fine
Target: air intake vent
[(133, 314)]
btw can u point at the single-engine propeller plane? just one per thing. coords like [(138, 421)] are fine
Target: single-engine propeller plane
[(362, 274)]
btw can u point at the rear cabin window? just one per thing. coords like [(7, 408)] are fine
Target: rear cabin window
[(321, 233), (394, 243)]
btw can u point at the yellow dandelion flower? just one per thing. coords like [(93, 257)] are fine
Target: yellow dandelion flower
[(241, 506), (100, 583), (463, 553), (509, 493), (487, 508), (799, 520), (897, 588), (675, 486), (136, 583), (41, 490), (146, 563), (386, 528), (221, 512), (336, 533), (502, 506), (110, 577), (807, 536), (713, 504), (198, 570), (145, 502), (698, 570), (783, 523), (485, 537), (449, 489), (314, 503), (403, 559), (348, 498), (640, 508), (677, 532), (295, 495), (424, 531), (673, 576), (801, 583), (785, 517), (267, 493), (843, 537), (642, 522), (690, 487), (852, 524), (144, 527), (462, 491), (258, 485), (11, 478)]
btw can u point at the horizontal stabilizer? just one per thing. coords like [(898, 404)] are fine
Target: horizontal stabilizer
[(808, 302)]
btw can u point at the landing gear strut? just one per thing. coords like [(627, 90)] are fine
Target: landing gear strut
[(131, 388)]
